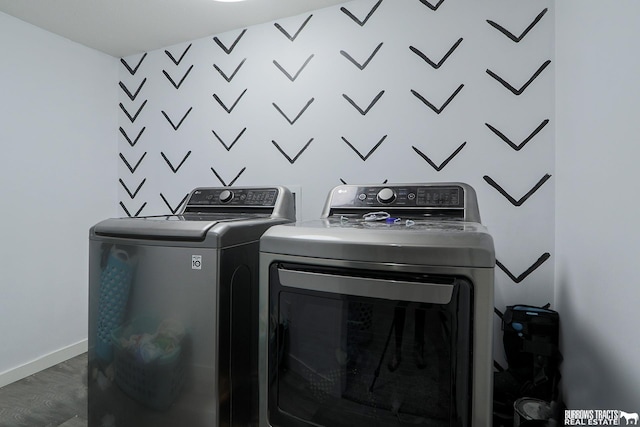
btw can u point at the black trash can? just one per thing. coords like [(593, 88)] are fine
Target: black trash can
[(530, 412)]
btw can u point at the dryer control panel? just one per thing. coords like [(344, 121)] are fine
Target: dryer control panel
[(409, 196), (456, 200)]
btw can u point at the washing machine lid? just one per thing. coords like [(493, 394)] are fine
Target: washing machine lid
[(210, 210), (189, 227), (436, 242)]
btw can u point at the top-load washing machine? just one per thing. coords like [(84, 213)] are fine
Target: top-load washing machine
[(173, 311), (379, 313)]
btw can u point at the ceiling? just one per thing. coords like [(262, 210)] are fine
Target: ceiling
[(124, 27)]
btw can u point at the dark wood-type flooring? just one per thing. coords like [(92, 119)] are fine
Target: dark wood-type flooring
[(55, 397)]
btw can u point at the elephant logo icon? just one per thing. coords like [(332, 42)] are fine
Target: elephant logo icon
[(629, 418)]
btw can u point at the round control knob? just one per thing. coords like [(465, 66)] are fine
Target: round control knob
[(225, 196), (386, 195)]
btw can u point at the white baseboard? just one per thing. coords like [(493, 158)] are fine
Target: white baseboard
[(47, 361)]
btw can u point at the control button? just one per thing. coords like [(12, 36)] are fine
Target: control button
[(411, 196), (362, 196), (226, 196), (386, 195)]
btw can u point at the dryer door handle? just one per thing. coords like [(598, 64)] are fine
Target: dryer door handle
[(436, 293)]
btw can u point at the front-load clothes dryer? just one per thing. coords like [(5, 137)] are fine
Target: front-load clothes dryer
[(173, 311), (379, 313)]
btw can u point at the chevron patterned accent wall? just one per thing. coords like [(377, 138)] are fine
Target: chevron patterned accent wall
[(369, 92)]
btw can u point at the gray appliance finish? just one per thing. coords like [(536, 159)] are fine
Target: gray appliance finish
[(173, 311), (380, 312)]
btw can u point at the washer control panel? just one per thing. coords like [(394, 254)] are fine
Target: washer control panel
[(233, 197), (398, 196)]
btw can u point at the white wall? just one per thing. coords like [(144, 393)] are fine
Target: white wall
[(597, 236), (523, 234), (58, 176)]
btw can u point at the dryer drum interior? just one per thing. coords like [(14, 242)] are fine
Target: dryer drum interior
[(370, 357)]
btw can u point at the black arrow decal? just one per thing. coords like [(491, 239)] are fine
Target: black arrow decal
[(356, 63), (524, 198), (545, 256), (371, 104), (438, 64), (356, 20), (365, 157), (291, 122), (518, 147), (177, 86), (233, 46), (345, 182), (228, 147), (229, 110), (524, 33), (135, 116), (292, 160), (124, 208), (133, 71), (224, 184), (175, 169), (132, 169), (522, 89), (430, 6), (229, 78), (433, 107), (175, 127), (132, 195), (438, 168), (177, 62), (174, 210), (295, 76), (132, 96), (287, 35), (132, 143)]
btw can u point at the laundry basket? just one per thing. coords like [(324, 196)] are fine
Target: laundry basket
[(154, 383)]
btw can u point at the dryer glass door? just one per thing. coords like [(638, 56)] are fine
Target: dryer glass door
[(362, 348)]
